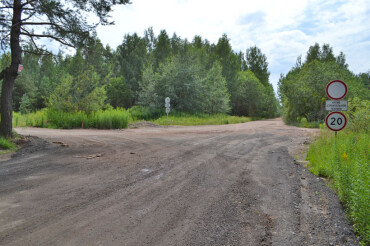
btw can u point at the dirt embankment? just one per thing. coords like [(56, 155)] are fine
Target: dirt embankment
[(208, 185)]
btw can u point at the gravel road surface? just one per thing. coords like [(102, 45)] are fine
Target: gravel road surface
[(208, 185)]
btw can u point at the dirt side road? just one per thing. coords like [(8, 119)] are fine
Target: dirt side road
[(208, 185)]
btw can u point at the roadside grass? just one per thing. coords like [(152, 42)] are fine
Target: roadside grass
[(185, 119), (304, 123), (119, 118), (6, 145), (140, 113), (101, 119), (345, 161)]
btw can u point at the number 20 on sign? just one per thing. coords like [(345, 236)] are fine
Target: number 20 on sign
[(336, 121)]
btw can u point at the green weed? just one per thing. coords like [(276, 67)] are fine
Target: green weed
[(101, 119), (345, 160), (6, 144)]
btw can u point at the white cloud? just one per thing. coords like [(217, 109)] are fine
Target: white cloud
[(282, 29)]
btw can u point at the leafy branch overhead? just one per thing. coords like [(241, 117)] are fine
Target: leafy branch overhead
[(66, 22)]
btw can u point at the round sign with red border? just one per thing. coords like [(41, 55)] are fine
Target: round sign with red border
[(336, 121), (336, 90)]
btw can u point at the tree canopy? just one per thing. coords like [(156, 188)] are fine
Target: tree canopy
[(143, 70), (302, 90)]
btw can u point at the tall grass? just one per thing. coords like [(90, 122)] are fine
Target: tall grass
[(144, 113), (345, 160), (101, 119)]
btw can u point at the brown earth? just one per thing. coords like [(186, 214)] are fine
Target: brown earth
[(207, 185)]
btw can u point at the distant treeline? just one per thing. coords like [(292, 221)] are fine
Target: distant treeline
[(198, 77)]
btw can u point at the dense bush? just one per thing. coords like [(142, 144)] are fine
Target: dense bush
[(145, 113)]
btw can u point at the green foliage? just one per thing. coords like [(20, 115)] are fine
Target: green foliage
[(79, 94), (257, 63), (185, 119), (101, 119), (249, 97), (109, 119), (131, 56), (365, 78), (302, 90), (25, 106), (230, 62), (214, 92), (162, 49), (358, 116), (146, 113), (198, 76), (119, 94), (345, 160), (189, 85), (252, 98), (7, 144)]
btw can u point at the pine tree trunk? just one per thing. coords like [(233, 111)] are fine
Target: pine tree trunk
[(6, 105), (10, 73)]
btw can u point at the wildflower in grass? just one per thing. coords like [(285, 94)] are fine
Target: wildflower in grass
[(345, 156)]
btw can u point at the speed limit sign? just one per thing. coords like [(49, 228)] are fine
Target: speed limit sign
[(336, 121)]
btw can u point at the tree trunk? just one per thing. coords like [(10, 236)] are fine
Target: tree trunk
[(6, 104), (11, 73)]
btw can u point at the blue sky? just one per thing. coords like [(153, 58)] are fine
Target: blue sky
[(283, 29)]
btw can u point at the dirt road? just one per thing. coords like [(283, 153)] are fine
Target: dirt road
[(209, 185)]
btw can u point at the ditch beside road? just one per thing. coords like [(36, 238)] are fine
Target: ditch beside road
[(206, 185)]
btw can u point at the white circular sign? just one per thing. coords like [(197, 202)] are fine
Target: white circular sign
[(336, 121), (336, 90), (167, 105), (167, 110), (167, 100)]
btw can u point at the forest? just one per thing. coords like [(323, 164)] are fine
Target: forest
[(198, 76)]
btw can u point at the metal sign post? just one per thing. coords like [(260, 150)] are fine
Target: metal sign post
[(167, 105)]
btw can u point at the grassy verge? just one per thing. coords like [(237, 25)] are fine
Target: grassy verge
[(200, 119), (303, 123), (102, 119), (345, 161), (119, 118), (7, 144)]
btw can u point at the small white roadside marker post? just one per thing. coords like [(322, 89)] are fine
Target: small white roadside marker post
[(167, 105)]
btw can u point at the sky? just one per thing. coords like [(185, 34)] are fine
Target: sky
[(282, 29)]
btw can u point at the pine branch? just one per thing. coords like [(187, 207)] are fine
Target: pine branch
[(39, 52), (33, 41), (30, 16), (32, 2), (39, 23), (48, 36)]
